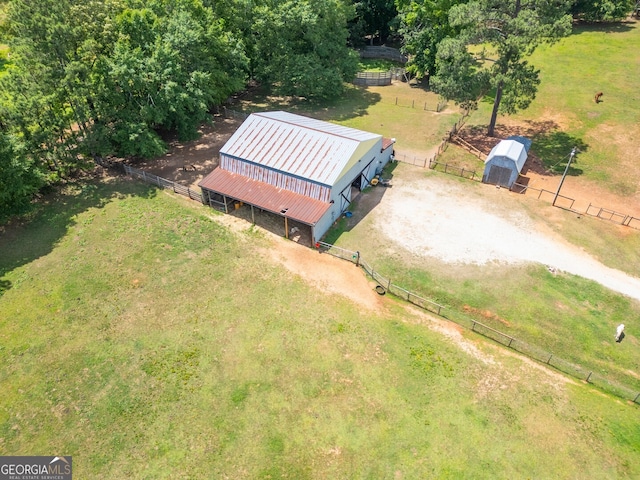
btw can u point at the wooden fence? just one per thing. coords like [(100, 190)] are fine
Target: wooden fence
[(531, 351), (452, 137), (164, 183), (432, 162), (384, 283)]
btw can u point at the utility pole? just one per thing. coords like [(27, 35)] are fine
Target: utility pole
[(574, 150)]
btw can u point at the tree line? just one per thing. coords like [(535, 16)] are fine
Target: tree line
[(93, 78)]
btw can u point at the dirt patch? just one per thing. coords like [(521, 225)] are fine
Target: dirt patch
[(189, 162), (451, 330), (327, 273)]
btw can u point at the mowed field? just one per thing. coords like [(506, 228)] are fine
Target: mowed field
[(142, 336)]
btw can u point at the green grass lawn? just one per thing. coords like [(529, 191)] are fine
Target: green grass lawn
[(563, 314), (148, 341), (376, 65), (396, 111)]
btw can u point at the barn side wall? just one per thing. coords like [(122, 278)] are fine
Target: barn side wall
[(371, 162)]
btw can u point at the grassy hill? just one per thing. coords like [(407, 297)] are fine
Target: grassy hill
[(148, 341)]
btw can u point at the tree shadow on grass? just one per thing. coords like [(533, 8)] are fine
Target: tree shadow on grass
[(354, 102), (554, 148), (550, 147), (35, 234), (605, 27)]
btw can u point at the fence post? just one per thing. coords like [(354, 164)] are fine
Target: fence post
[(396, 100), (634, 400), (588, 377), (549, 360)]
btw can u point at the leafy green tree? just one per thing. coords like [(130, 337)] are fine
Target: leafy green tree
[(20, 176), (491, 48), (301, 47), (423, 25), (53, 47), (602, 10), (96, 77), (171, 61)]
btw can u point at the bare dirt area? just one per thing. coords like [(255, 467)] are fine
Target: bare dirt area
[(327, 273), (189, 162), (430, 216)]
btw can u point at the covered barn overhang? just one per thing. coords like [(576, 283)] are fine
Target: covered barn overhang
[(267, 197)]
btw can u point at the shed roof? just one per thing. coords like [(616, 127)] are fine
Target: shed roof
[(523, 140), (510, 149), (301, 146), (265, 196)]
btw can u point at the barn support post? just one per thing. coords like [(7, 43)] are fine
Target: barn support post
[(226, 209), (286, 228), (253, 217)]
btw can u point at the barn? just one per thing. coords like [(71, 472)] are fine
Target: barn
[(303, 170), (505, 162)]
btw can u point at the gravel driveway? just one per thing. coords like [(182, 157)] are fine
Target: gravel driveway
[(438, 217)]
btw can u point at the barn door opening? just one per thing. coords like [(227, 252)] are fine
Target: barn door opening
[(499, 176)]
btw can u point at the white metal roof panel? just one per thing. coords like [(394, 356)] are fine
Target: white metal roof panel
[(510, 149), (298, 145)]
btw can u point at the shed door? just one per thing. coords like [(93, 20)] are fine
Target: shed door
[(499, 176)]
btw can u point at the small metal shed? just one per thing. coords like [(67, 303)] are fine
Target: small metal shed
[(505, 162)]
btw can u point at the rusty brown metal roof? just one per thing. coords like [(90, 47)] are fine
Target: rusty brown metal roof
[(265, 196), (387, 142)]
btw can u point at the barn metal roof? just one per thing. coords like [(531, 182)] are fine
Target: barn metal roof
[(301, 146), (387, 142), (265, 196)]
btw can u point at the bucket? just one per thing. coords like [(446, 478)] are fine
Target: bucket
[(380, 290), (237, 205)]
